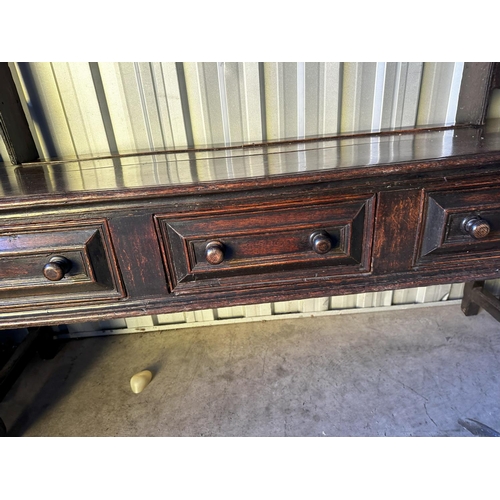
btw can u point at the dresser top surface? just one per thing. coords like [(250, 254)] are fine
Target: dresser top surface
[(295, 160)]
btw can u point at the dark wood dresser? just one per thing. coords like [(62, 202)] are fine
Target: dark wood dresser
[(146, 234), (137, 235)]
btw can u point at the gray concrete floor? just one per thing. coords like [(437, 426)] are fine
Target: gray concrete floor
[(408, 372)]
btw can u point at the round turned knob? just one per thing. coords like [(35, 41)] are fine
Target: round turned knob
[(321, 242), (56, 268), (475, 226), (214, 252)]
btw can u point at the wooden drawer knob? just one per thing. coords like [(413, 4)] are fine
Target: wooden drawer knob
[(56, 268), (214, 252), (475, 226), (321, 242)]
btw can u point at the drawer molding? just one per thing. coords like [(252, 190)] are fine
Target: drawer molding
[(460, 226), (262, 246), (92, 272)]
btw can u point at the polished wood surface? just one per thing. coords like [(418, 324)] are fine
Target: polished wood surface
[(56, 268), (177, 231), (214, 252), (240, 168)]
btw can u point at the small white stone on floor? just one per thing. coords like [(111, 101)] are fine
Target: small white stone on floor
[(140, 380)]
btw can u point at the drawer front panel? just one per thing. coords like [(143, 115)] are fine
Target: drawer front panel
[(25, 252), (259, 246), (461, 226)]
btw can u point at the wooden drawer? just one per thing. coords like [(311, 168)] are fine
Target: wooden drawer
[(57, 262), (251, 247), (460, 226)]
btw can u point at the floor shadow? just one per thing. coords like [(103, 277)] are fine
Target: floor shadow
[(46, 392), (48, 385)]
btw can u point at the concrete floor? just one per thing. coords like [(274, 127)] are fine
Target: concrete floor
[(408, 372)]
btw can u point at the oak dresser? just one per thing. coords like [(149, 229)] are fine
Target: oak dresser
[(156, 233)]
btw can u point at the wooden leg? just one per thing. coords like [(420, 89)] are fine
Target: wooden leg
[(38, 339), (47, 347), (470, 308), (16, 363), (475, 297)]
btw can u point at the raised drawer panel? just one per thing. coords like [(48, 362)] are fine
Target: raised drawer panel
[(267, 245), (82, 264), (460, 226)]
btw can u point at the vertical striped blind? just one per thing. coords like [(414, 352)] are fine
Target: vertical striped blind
[(83, 109)]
